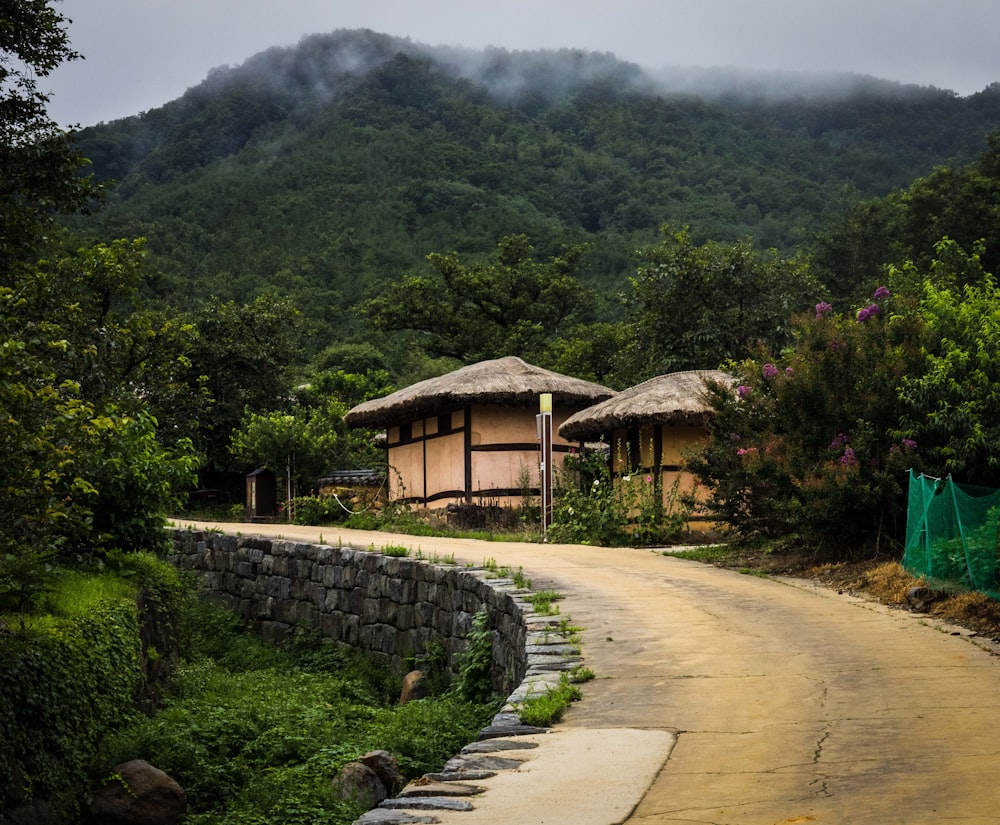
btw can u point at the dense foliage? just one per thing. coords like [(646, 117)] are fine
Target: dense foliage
[(83, 365), (488, 310), (257, 733), (71, 678), (691, 307), (589, 509), (816, 443), (953, 401), (334, 168), (956, 201), (84, 469)]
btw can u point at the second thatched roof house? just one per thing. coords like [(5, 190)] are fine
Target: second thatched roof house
[(470, 436), (649, 427)]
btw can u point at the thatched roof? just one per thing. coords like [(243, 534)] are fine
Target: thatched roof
[(677, 398), (507, 381)]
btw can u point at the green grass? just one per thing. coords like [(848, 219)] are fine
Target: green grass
[(542, 602), (714, 553), (435, 557), (77, 593), (548, 708)]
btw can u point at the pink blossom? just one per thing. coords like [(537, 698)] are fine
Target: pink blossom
[(868, 312)]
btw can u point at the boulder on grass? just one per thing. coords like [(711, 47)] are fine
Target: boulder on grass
[(139, 794), (360, 784), (386, 768), (414, 687)]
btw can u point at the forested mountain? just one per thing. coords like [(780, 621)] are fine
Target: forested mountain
[(328, 169)]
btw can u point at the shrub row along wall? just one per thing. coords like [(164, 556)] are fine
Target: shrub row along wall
[(387, 605)]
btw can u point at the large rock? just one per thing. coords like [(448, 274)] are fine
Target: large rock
[(414, 687), (360, 784), (139, 794), (386, 768)]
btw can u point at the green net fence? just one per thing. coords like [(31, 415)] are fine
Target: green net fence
[(953, 533)]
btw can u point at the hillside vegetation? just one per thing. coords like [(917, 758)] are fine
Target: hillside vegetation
[(329, 170)]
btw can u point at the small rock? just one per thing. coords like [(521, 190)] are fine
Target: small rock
[(919, 598), (415, 789), (458, 776), (494, 745), (428, 803), (382, 816), (481, 763), (501, 728)]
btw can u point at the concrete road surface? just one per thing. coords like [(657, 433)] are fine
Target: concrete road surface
[(726, 698)]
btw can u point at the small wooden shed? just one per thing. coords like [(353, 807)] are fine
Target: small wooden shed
[(649, 427), (470, 437)]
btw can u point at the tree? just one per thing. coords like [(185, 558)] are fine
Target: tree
[(512, 305), (38, 165), (79, 377), (304, 442), (953, 405), (694, 307), (76, 361), (958, 202), (242, 360)]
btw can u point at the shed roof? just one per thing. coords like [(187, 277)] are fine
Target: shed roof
[(675, 398), (508, 381)]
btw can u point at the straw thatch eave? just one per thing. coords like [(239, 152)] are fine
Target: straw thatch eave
[(677, 398), (504, 381)]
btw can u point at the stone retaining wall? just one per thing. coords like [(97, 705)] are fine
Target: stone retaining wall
[(383, 604)]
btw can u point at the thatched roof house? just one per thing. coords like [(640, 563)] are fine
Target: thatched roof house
[(470, 436), (649, 427), (677, 399), (508, 381)]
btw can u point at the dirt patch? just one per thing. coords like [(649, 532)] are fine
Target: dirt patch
[(879, 579)]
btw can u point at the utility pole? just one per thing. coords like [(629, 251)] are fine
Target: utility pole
[(544, 423)]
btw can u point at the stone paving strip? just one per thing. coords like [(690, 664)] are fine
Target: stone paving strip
[(516, 773), (501, 746), (567, 776)]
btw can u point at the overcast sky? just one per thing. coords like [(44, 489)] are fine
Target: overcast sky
[(141, 54)]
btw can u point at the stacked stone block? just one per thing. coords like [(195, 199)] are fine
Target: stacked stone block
[(388, 605)]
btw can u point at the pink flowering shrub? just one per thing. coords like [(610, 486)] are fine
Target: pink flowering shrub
[(809, 447)]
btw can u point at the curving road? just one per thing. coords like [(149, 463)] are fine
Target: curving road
[(773, 701)]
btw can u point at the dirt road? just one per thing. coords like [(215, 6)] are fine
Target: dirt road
[(775, 701)]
